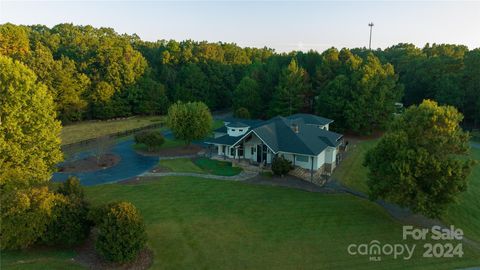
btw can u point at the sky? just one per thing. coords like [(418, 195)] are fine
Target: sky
[(282, 25)]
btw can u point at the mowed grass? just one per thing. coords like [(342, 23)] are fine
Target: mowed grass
[(34, 259), (195, 223), (93, 129), (181, 165), (351, 171), (217, 167), (465, 214), (201, 165)]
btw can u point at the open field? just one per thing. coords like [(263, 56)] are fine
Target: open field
[(195, 223), (93, 129), (465, 214)]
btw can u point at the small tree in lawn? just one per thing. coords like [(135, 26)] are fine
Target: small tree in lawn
[(101, 147), (152, 139), (189, 121), (281, 166), (121, 232), (417, 162)]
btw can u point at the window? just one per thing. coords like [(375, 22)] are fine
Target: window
[(223, 149), (240, 130), (252, 150), (233, 129), (232, 151), (301, 158)]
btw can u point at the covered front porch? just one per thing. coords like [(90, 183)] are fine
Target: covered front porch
[(249, 149)]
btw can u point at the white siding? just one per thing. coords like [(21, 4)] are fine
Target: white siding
[(235, 132), (330, 155)]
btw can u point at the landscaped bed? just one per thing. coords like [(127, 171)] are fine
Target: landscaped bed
[(90, 164)]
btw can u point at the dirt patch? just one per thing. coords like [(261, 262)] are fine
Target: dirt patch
[(88, 257), (174, 151), (91, 163)]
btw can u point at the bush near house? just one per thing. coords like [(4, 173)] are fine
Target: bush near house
[(121, 233), (281, 166)]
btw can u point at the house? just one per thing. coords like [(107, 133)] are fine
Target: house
[(303, 139)]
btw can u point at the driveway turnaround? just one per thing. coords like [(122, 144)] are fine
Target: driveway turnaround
[(130, 165)]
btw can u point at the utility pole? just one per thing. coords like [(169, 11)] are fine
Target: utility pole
[(370, 42)]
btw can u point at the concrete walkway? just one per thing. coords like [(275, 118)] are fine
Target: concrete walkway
[(244, 175)]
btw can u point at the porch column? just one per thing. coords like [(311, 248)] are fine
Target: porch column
[(311, 170)]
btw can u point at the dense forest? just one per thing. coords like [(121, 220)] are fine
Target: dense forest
[(96, 73)]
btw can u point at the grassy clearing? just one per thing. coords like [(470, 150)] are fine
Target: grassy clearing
[(217, 167), (181, 165), (195, 223), (93, 129), (351, 172), (465, 214)]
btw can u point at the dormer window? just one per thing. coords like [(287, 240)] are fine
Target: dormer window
[(233, 129), (240, 130)]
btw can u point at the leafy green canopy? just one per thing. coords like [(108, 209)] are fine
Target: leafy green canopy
[(421, 161), (121, 232), (189, 121), (29, 133)]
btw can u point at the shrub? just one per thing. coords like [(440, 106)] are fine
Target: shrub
[(71, 188), (68, 224), (281, 166), (25, 215), (151, 139), (121, 232), (242, 113)]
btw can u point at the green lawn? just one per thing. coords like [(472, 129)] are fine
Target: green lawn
[(351, 172), (39, 259), (195, 223), (201, 165), (93, 129), (465, 214), (181, 165), (217, 167)]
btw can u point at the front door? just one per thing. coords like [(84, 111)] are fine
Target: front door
[(259, 153)]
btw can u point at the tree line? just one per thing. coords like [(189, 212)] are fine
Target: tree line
[(96, 73)]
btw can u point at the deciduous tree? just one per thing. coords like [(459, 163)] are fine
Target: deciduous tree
[(421, 161)]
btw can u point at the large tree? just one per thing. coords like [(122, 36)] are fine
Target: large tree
[(288, 97), (29, 132), (421, 162), (189, 121), (247, 95)]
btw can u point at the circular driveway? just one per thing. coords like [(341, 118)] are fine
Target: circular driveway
[(130, 165)]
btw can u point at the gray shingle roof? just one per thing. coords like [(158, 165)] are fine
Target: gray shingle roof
[(309, 119), (278, 134), (310, 140), (225, 139), (236, 125)]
